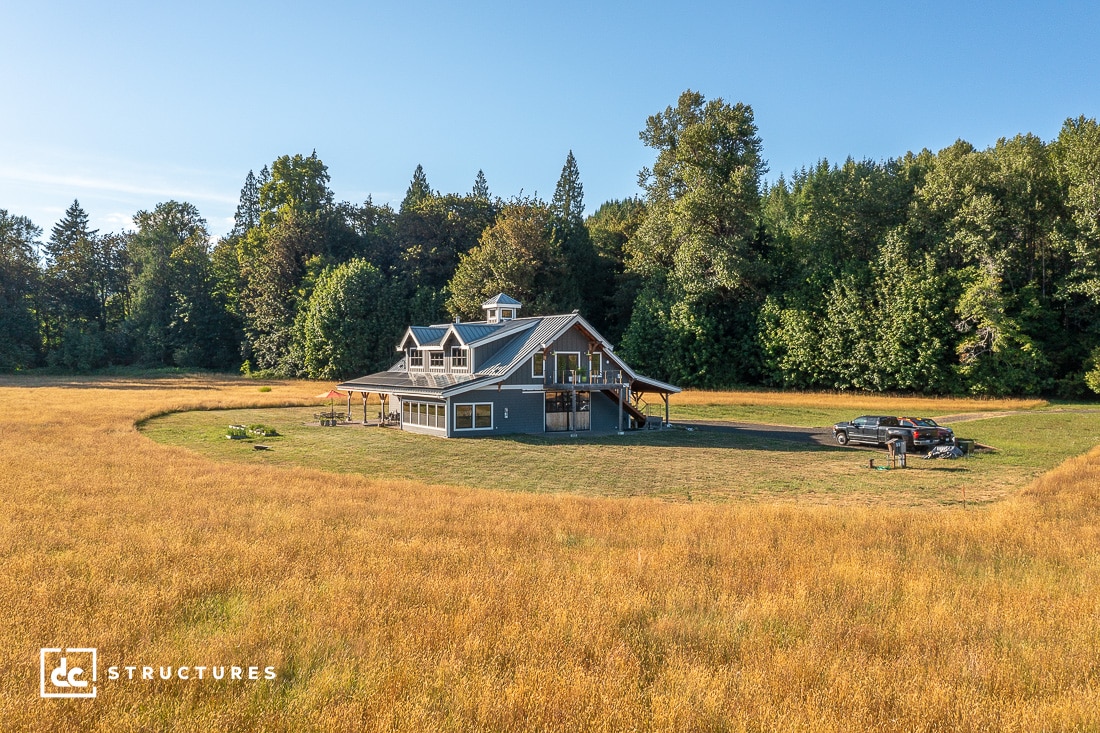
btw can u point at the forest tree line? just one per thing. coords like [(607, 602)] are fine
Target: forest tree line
[(962, 271)]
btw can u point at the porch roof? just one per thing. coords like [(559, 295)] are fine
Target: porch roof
[(390, 382)]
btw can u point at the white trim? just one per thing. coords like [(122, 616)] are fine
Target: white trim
[(538, 352), (558, 372), (473, 416), (525, 387), (465, 353), (408, 425), (592, 371)]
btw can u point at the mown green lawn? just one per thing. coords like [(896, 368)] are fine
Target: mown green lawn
[(675, 465)]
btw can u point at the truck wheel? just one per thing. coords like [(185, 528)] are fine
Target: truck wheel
[(842, 438)]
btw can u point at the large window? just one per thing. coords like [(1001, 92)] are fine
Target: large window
[(597, 363), (436, 358), (416, 359), (567, 365), (474, 416), (425, 414), (458, 358), (538, 364)]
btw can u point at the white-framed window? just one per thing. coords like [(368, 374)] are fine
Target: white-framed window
[(435, 359), (507, 313), (538, 365), (416, 359), (474, 416), (459, 359), (597, 363), (566, 363), (424, 414)]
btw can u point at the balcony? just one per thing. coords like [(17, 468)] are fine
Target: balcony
[(577, 379)]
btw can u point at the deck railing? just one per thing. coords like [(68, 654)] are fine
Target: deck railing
[(581, 380)]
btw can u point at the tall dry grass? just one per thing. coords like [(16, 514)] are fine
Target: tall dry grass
[(847, 401), (402, 606)]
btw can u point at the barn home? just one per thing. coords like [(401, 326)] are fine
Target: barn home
[(513, 374)]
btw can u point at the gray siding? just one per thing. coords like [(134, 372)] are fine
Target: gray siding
[(605, 413), (524, 412), (522, 375), (481, 353), (571, 340)]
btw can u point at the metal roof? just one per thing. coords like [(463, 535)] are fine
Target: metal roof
[(428, 335), (404, 382), (500, 299), (520, 347), (470, 332)]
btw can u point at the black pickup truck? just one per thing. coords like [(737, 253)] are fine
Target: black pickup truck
[(878, 430)]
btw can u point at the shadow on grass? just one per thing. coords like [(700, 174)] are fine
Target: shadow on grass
[(740, 439)]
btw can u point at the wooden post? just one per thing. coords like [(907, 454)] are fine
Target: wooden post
[(573, 411), (622, 396), (365, 408)]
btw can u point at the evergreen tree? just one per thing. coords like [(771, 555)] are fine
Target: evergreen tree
[(584, 278), (70, 264), (19, 276), (418, 189), (481, 187), (248, 210)]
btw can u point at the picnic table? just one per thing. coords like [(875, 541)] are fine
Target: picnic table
[(329, 419)]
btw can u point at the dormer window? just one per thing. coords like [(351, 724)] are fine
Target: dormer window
[(458, 358), (416, 359)]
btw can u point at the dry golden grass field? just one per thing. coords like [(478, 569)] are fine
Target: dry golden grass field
[(389, 604)]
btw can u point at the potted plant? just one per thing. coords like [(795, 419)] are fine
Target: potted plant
[(582, 375)]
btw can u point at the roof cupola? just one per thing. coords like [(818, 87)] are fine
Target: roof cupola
[(501, 308)]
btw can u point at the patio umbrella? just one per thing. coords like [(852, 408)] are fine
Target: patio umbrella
[(331, 396)]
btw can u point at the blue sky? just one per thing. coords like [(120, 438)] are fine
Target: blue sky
[(125, 104)]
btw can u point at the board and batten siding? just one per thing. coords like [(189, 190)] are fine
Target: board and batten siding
[(605, 413), (571, 341), (524, 412)]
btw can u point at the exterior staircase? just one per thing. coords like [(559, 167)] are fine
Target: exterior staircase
[(634, 412)]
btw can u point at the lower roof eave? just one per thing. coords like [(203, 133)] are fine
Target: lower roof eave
[(388, 384), (653, 385)]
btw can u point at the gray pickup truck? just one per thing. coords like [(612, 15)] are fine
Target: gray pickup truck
[(878, 430)]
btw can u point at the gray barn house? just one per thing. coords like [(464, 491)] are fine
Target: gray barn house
[(508, 374)]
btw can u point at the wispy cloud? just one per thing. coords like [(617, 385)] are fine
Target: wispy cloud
[(101, 185)]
